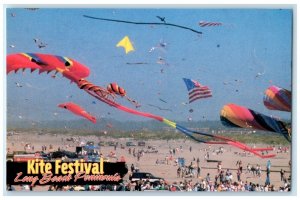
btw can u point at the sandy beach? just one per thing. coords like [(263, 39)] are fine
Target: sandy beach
[(161, 164)]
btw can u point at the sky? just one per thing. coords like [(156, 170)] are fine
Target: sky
[(225, 58)]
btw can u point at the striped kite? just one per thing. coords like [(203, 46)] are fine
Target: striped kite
[(205, 24), (233, 115), (277, 98)]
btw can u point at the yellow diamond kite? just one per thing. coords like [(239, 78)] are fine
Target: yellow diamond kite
[(126, 44)]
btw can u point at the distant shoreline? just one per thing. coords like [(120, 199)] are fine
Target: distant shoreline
[(253, 138)]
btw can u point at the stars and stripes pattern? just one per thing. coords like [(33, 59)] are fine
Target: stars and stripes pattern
[(204, 23), (196, 90)]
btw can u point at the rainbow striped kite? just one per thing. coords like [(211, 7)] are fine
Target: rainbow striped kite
[(204, 24)]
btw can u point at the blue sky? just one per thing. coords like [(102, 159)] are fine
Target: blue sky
[(250, 41)]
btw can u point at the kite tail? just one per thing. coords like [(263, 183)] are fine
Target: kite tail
[(225, 140), (103, 95), (134, 102)]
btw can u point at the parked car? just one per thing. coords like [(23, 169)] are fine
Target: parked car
[(136, 176), (141, 143), (130, 144), (101, 143), (111, 143)]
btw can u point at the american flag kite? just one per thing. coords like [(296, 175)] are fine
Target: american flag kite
[(203, 23), (196, 90)]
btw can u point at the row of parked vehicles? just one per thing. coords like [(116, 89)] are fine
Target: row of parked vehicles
[(128, 144)]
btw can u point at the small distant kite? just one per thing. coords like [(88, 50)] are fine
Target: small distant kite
[(259, 74), (137, 63), (126, 44), (18, 84), (163, 100), (205, 24), (39, 43), (108, 125), (163, 19), (161, 46), (161, 61), (166, 109), (31, 8)]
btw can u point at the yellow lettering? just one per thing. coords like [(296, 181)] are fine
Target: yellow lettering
[(57, 166), (48, 168), (95, 169), (64, 168), (30, 167), (101, 166), (87, 167)]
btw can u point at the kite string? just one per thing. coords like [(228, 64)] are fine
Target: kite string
[(143, 23)]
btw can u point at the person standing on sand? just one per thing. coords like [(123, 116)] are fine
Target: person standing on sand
[(238, 174), (207, 178), (219, 166), (281, 174), (268, 176), (198, 171), (178, 172), (132, 168), (198, 162)]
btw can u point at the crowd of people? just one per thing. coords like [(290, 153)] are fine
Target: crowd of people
[(191, 175)]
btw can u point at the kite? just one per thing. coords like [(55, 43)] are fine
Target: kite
[(166, 109), (277, 98), (46, 63), (163, 19), (162, 100), (77, 72), (31, 8), (77, 110), (115, 89), (18, 84), (233, 115), (196, 90), (126, 44), (39, 43), (205, 24), (143, 23), (259, 74), (137, 63), (161, 46)]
